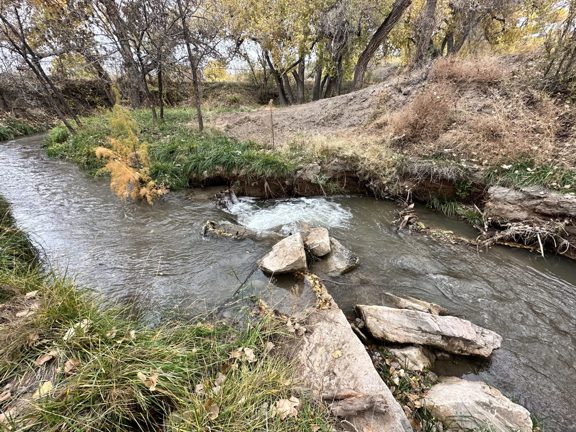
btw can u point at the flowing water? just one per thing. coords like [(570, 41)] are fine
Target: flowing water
[(156, 257)]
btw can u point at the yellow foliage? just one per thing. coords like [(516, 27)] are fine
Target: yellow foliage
[(128, 162)]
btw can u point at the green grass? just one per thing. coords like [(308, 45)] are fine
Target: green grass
[(178, 154), (16, 252), (527, 173), (11, 128), (116, 360)]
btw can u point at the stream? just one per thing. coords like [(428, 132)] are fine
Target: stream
[(155, 258)]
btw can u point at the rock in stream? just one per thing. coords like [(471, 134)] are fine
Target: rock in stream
[(448, 333)]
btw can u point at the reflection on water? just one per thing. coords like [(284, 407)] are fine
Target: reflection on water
[(156, 256)]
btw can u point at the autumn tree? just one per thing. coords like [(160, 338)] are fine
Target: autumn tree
[(127, 160)]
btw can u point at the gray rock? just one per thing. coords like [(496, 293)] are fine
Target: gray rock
[(339, 261), (286, 256), (449, 333), (334, 365), (237, 232), (318, 241), (412, 303), (415, 358), (473, 405)]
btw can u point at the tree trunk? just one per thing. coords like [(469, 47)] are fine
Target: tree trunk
[(377, 39), (288, 87), (278, 78), (194, 66), (161, 91), (300, 78), (317, 89), (424, 29)]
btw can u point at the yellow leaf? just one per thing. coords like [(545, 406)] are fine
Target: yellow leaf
[(337, 354), (213, 411), (44, 389), (149, 381)]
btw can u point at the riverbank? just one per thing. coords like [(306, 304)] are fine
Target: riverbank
[(181, 157), (70, 362), (15, 127)]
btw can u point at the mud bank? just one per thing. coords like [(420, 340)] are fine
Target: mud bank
[(534, 218)]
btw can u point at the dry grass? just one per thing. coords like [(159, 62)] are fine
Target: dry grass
[(426, 117), (483, 70), (480, 111)]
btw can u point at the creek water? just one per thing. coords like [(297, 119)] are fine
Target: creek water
[(156, 257)]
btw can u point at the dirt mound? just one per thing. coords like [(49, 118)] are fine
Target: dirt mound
[(328, 117), (484, 111)]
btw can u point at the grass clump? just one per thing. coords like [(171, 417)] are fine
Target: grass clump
[(12, 127), (527, 173), (16, 251)]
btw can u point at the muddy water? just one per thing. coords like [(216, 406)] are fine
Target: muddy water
[(156, 258)]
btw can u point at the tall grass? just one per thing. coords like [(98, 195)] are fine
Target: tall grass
[(11, 127)]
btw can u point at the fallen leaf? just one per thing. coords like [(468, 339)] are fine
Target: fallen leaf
[(24, 313), (213, 411), (250, 355), (31, 294), (45, 358), (220, 378), (285, 408), (4, 396), (112, 333), (269, 347), (44, 389), (199, 389), (69, 334), (237, 354), (71, 365), (149, 381), (337, 354)]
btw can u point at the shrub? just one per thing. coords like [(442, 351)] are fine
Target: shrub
[(426, 117), (58, 135)]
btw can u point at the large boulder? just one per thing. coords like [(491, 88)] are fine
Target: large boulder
[(317, 241), (339, 261), (473, 405), (449, 333), (334, 365), (415, 358), (286, 256)]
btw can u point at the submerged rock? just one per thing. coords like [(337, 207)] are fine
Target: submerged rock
[(412, 303), (473, 405), (336, 367), (286, 256), (317, 241), (238, 232), (415, 358), (449, 333), (338, 262)]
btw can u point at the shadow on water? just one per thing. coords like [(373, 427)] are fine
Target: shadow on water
[(156, 258)]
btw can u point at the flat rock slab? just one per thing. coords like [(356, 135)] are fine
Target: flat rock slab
[(415, 358), (318, 241), (335, 366), (412, 303), (473, 405), (286, 256), (338, 262), (448, 333)]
